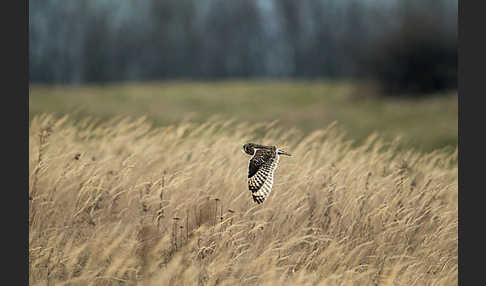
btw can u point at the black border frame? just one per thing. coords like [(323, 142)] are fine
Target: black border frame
[(15, 141), (471, 80)]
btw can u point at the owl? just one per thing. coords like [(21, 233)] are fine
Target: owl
[(261, 169)]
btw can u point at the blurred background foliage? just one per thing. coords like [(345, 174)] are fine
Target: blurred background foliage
[(410, 47), (372, 65)]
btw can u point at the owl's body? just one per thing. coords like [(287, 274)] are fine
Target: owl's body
[(261, 169)]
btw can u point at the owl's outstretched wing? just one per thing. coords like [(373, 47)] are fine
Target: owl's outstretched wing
[(260, 173)]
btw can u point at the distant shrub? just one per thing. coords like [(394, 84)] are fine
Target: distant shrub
[(417, 59)]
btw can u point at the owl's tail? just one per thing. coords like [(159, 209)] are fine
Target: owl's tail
[(282, 152)]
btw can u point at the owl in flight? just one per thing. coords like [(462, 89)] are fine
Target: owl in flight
[(261, 168)]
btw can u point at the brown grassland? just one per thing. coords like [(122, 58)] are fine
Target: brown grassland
[(123, 202)]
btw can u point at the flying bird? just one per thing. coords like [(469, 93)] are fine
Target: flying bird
[(261, 169)]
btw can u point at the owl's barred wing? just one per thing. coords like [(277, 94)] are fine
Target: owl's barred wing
[(260, 174), (258, 160)]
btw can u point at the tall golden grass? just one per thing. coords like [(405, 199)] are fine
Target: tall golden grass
[(124, 203)]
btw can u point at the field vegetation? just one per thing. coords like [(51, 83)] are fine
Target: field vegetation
[(122, 200), (424, 123)]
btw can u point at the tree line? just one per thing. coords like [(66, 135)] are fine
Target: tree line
[(111, 40)]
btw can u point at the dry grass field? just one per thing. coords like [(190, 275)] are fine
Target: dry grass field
[(123, 202)]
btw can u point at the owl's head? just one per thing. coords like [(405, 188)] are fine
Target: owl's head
[(249, 148)]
